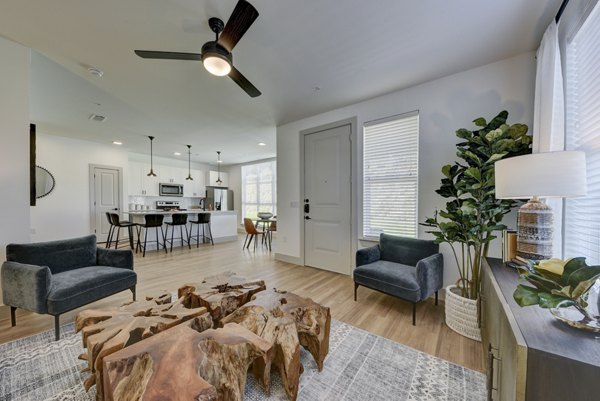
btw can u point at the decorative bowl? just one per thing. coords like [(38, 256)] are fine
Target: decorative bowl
[(264, 215)]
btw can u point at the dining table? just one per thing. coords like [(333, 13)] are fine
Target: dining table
[(266, 227)]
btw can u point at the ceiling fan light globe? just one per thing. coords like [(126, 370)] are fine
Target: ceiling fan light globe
[(216, 65)]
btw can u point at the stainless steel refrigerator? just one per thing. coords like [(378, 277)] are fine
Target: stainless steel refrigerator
[(218, 199)]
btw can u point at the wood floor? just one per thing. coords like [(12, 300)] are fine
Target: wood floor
[(375, 312)]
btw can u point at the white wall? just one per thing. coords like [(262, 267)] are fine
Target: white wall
[(235, 184), (444, 105), (65, 213), (14, 151)]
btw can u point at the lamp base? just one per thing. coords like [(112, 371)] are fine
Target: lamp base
[(535, 226)]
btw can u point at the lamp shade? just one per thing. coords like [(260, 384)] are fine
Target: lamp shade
[(545, 175)]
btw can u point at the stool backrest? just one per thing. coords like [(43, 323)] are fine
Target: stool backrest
[(114, 219), (249, 226), (179, 219), (154, 220), (109, 218), (203, 218)]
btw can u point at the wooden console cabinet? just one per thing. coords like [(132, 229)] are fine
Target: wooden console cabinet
[(531, 356)]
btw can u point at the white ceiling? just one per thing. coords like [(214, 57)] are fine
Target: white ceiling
[(351, 49)]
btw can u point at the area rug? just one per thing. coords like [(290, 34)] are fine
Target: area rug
[(360, 366)]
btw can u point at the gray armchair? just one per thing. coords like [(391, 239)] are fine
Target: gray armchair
[(59, 276), (410, 269)]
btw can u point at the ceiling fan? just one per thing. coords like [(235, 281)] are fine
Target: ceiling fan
[(216, 55)]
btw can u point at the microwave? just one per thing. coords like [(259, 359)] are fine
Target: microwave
[(170, 189)]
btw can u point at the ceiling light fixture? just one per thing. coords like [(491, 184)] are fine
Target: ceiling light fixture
[(219, 181), (177, 153), (216, 59), (151, 173), (262, 144), (95, 72), (189, 177), (117, 143)]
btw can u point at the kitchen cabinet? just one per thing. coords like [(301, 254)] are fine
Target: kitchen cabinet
[(139, 182), (214, 175), (530, 355), (195, 188), (172, 175)]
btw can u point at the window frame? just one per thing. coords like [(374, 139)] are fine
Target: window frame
[(258, 182)]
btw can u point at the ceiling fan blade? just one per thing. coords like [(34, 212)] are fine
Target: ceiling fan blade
[(168, 55), (243, 15), (241, 80)]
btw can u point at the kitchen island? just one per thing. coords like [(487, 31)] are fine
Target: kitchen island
[(223, 223)]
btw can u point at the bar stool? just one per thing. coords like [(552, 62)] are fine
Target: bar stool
[(203, 219), (115, 222), (181, 221), (156, 221)]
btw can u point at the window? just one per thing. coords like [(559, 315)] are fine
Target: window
[(582, 220), (390, 176), (259, 189)]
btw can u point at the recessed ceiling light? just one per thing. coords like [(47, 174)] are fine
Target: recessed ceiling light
[(95, 72), (117, 143), (219, 161), (177, 153), (262, 144)]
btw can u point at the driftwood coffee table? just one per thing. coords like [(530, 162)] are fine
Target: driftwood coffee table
[(182, 358)]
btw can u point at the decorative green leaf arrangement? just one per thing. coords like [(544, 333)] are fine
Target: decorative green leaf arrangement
[(473, 213), (557, 283)]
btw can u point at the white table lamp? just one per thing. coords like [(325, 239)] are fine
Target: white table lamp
[(539, 175)]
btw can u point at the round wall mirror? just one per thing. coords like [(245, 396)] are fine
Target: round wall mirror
[(44, 182)]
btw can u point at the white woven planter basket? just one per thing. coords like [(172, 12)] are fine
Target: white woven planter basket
[(461, 314)]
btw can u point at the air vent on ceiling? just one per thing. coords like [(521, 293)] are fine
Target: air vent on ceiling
[(96, 117)]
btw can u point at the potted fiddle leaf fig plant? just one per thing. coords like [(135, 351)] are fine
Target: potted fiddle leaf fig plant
[(569, 288), (472, 214)]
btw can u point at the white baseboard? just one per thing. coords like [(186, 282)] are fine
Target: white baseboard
[(288, 259)]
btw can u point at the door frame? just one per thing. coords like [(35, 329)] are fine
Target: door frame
[(353, 122), (92, 190)]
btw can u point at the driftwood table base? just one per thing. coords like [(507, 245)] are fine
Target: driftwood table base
[(105, 331), (288, 321), (184, 365)]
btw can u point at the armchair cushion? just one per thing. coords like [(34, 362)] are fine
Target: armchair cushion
[(406, 251), (74, 288), (25, 286), (391, 278), (115, 258), (59, 256)]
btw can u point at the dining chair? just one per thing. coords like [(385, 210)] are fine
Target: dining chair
[(252, 232)]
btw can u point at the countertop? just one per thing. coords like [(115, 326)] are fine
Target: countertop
[(189, 211)]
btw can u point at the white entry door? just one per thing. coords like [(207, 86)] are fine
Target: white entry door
[(106, 198), (327, 199)]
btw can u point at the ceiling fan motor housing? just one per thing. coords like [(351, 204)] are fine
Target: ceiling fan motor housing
[(213, 49)]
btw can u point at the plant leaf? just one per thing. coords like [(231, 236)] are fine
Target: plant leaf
[(572, 266), (552, 300), (526, 296), (480, 122)]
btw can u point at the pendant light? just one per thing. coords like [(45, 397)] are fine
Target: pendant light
[(219, 181), (189, 177), (151, 173)]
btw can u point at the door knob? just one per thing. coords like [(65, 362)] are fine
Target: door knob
[(116, 208), (307, 218)]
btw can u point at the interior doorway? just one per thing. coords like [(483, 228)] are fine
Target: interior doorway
[(106, 183), (327, 202)]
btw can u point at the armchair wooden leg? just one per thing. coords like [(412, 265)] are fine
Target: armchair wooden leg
[(13, 316), (436, 297), (57, 327), (355, 289), (414, 313), (132, 289)]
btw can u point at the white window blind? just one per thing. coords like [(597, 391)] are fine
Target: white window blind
[(582, 215), (390, 176), (259, 189)]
